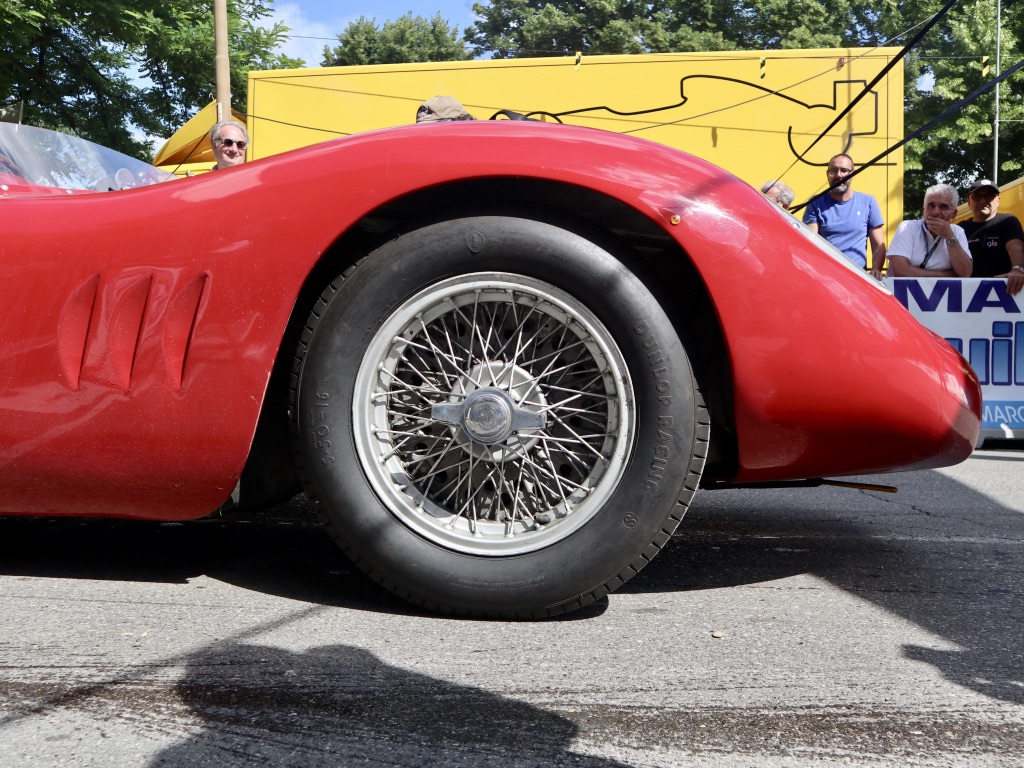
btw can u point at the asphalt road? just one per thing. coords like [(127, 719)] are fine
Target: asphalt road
[(792, 628)]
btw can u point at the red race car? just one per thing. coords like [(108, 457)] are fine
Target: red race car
[(500, 356)]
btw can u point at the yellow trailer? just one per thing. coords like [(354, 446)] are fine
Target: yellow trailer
[(757, 114)]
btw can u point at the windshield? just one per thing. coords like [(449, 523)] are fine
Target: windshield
[(51, 159)]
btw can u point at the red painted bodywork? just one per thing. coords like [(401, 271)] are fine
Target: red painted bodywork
[(141, 326)]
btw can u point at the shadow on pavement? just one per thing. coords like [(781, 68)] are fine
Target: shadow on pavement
[(340, 705)]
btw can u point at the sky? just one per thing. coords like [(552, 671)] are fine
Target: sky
[(316, 23)]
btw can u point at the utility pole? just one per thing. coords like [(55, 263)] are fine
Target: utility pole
[(995, 119), (221, 59)]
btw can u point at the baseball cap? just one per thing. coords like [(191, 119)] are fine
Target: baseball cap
[(441, 108), (983, 184)]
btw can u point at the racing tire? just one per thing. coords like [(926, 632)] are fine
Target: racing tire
[(496, 418)]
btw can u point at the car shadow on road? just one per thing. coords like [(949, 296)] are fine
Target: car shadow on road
[(341, 705)]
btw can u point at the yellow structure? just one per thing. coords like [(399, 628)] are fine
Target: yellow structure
[(756, 114)]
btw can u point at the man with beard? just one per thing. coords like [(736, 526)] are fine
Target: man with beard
[(848, 219)]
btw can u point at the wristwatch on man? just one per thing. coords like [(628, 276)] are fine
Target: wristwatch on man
[(951, 241), (1018, 267)]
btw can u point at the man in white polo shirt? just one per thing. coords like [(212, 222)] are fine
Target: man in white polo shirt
[(932, 246)]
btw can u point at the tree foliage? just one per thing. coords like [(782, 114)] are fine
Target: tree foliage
[(408, 39), (945, 66), (107, 69)]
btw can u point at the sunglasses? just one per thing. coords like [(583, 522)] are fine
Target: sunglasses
[(232, 143)]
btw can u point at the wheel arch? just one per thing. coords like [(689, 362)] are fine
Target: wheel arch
[(666, 269)]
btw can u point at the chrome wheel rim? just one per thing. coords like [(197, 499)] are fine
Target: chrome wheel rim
[(493, 414)]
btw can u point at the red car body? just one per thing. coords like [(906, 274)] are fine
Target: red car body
[(142, 327)]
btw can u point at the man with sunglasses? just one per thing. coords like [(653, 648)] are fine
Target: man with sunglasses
[(229, 139), (848, 219)]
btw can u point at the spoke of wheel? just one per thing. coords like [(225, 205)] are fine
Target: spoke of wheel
[(396, 415), (552, 357), (576, 368), (457, 311), (468, 350), (536, 341), (578, 460), (582, 460), (548, 357), (411, 368), (490, 311), (499, 353), (441, 448), (441, 355), (519, 325), (451, 488), (471, 494), (515, 493), (451, 467), (578, 437), (443, 328), (405, 387), (396, 445), (559, 481), (585, 414), (438, 353), (433, 472), (576, 395)]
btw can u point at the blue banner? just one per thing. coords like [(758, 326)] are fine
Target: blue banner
[(986, 325)]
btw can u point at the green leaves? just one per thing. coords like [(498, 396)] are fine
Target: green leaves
[(108, 70), (408, 39)]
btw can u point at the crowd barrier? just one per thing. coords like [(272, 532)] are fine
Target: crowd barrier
[(986, 325)]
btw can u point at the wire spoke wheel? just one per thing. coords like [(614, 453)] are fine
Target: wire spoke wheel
[(493, 414)]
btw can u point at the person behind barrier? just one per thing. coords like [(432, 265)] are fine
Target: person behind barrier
[(442, 109), (779, 192), (932, 246), (848, 219), (996, 239), (229, 139)]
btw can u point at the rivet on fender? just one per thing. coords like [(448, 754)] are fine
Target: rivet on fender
[(675, 219)]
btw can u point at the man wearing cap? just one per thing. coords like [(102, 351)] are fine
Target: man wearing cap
[(848, 219), (996, 239), (442, 109)]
